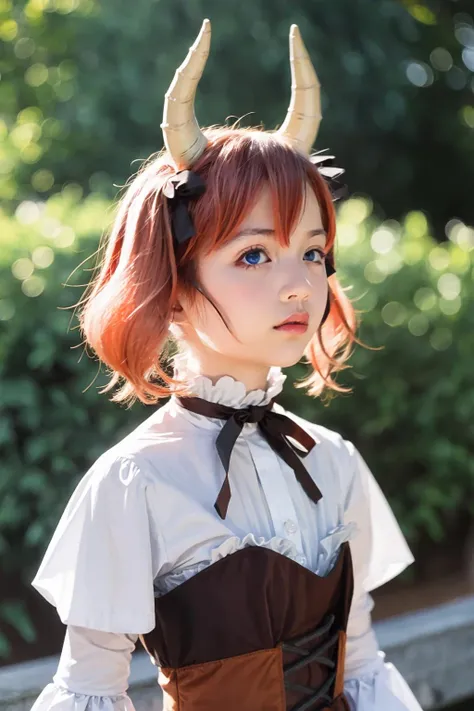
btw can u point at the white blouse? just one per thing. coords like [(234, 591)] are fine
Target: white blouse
[(142, 520)]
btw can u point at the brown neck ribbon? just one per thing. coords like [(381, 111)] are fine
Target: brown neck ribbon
[(275, 428)]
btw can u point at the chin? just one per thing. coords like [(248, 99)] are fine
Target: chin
[(286, 360)]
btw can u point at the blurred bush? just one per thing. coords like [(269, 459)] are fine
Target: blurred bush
[(83, 84), (52, 421)]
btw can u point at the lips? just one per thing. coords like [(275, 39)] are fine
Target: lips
[(301, 319)]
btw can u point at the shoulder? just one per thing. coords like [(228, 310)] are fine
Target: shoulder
[(151, 462), (116, 473), (133, 459)]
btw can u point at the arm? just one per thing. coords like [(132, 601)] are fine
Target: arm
[(98, 572), (92, 674), (379, 553)]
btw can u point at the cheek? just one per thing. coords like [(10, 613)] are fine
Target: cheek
[(244, 302), (235, 288)]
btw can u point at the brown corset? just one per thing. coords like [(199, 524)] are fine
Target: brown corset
[(254, 632)]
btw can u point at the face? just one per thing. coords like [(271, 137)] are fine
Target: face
[(257, 284)]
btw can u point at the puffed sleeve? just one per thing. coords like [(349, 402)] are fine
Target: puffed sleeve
[(99, 567), (379, 553)]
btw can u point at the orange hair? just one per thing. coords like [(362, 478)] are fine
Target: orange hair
[(127, 307)]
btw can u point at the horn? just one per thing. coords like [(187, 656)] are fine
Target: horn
[(304, 112), (182, 136)]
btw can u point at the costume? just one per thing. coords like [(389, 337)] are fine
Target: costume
[(239, 542), (141, 526)]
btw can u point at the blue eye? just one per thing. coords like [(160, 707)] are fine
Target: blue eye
[(252, 258), (314, 252)]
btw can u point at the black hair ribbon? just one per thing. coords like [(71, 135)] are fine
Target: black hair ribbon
[(179, 189)]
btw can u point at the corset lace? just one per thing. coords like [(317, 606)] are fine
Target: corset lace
[(307, 656)]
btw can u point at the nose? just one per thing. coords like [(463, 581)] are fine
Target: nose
[(297, 285)]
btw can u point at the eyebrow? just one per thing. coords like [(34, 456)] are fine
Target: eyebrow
[(267, 232)]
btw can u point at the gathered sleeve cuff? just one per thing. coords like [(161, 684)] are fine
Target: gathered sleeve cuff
[(92, 674), (381, 688), (61, 699)]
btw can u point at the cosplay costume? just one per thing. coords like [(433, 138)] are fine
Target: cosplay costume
[(237, 541)]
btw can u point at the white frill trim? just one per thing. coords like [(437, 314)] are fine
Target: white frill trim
[(331, 545), (231, 545), (227, 390), (327, 557), (56, 698), (384, 689)]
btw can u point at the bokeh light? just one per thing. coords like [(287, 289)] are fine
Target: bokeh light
[(441, 59)]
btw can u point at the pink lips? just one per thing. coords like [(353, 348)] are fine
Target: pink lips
[(296, 323), (293, 327)]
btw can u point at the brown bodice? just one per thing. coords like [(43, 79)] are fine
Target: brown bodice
[(255, 631)]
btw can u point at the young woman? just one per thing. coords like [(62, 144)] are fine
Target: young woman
[(239, 542)]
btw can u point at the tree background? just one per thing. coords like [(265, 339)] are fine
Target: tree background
[(81, 98)]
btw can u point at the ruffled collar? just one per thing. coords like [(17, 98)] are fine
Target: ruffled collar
[(227, 390)]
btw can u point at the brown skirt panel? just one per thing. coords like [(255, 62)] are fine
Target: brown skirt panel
[(249, 682), (341, 663)]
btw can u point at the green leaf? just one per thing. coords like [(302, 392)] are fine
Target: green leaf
[(15, 613)]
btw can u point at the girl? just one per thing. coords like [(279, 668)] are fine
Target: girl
[(237, 541)]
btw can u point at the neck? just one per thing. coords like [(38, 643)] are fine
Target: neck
[(214, 366)]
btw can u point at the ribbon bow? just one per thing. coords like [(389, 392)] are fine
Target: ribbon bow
[(275, 428), (331, 173), (180, 189)]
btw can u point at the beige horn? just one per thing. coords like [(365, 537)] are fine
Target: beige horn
[(304, 113), (183, 138)]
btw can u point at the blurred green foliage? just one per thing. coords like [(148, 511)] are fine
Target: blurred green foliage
[(52, 421), (83, 83)]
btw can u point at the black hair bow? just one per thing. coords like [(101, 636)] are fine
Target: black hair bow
[(180, 189), (331, 174)]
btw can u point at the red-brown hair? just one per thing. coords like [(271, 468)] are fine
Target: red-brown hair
[(127, 308)]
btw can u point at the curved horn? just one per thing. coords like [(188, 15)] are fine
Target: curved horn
[(183, 138), (304, 113)]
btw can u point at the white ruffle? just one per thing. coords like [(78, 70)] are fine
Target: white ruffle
[(166, 583), (330, 548), (227, 390), (331, 545), (384, 688), (55, 698), (283, 546)]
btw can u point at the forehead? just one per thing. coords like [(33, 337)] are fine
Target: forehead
[(261, 214)]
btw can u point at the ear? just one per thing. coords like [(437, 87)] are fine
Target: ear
[(178, 313)]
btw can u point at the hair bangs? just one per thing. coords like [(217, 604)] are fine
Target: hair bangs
[(236, 167)]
